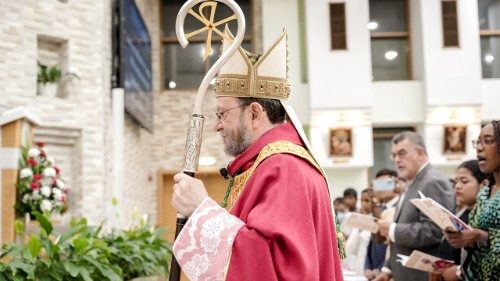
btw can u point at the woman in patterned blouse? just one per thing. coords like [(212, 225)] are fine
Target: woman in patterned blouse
[(484, 239)]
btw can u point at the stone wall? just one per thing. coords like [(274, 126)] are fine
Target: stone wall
[(82, 32)]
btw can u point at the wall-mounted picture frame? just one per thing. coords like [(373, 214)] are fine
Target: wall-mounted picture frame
[(341, 142), (455, 137)]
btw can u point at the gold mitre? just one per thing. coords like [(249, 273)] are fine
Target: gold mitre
[(257, 76)]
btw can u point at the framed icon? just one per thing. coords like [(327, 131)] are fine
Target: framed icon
[(454, 139), (341, 142)]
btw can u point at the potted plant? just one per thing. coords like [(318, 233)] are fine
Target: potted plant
[(48, 78)]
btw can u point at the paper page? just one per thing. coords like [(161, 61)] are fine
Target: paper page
[(439, 215), (424, 262), (361, 221)]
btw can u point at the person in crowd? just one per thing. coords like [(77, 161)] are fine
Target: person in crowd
[(358, 239), (411, 229), (280, 223), (468, 181), (380, 200), (483, 240), (366, 202), (350, 199), (340, 209)]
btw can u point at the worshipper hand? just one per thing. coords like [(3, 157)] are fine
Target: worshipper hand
[(370, 274), (449, 273), (465, 238), (382, 276), (383, 227), (188, 194)]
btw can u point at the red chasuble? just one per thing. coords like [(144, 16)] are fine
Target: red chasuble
[(281, 227)]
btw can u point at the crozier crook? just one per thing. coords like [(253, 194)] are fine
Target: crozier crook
[(195, 127)]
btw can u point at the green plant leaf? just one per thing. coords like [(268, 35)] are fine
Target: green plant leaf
[(71, 233), (71, 268), (34, 246), (85, 274), (44, 222), (80, 244), (19, 227), (29, 269)]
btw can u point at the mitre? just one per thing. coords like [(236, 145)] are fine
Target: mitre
[(257, 76)]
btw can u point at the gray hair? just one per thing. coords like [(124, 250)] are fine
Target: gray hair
[(413, 137)]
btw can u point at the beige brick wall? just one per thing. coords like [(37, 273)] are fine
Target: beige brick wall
[(84, 29)]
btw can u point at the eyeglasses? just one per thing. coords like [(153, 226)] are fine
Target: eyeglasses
[(483, 142), (222, 116), (401, 154)]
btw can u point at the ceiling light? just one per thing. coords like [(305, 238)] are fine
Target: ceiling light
[(390, 55), (489, 58), (372, 25)]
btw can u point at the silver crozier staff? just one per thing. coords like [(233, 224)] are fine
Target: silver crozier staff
[(195, 127)]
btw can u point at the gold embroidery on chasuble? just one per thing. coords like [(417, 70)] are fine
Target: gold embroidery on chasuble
[(278, 147)]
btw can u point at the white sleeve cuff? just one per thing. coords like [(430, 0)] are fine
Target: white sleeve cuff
[(204, 245), (392, 230)]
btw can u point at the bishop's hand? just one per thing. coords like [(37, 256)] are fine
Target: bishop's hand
[(188, 193)]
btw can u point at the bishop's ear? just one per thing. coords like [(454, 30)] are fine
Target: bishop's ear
[(257, 111)]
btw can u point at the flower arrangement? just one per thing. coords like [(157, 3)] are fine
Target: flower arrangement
[(39, 187)]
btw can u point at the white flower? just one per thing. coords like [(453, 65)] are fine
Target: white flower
[(51, 161), (26, 198), (61, 184), (197, 266), (49, 172), (45, 205), (58, 195), (26, 173), (33, 152), (45, 191), (212, 227)]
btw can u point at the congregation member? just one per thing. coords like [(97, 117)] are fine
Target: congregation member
[(483, 241), (380, 201), (411, 229), (468, 181), (350, 199)]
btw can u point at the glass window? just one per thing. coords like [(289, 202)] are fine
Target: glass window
[(184, 68), (490, 56), (489, 14), (388, 15), (388, 27), (489, 25), (389, 59)]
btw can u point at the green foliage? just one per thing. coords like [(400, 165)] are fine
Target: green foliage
[(140, 252), (48, 74), (83, 253)]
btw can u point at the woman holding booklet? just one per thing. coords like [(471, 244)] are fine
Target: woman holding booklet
[(468, 181), (484, 238)]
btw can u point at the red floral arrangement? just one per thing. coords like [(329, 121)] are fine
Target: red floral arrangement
[(39, 186)]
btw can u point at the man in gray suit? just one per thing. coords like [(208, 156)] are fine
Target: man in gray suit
[(411, 229)]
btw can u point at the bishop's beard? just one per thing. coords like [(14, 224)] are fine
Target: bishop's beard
[(236, 141)]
